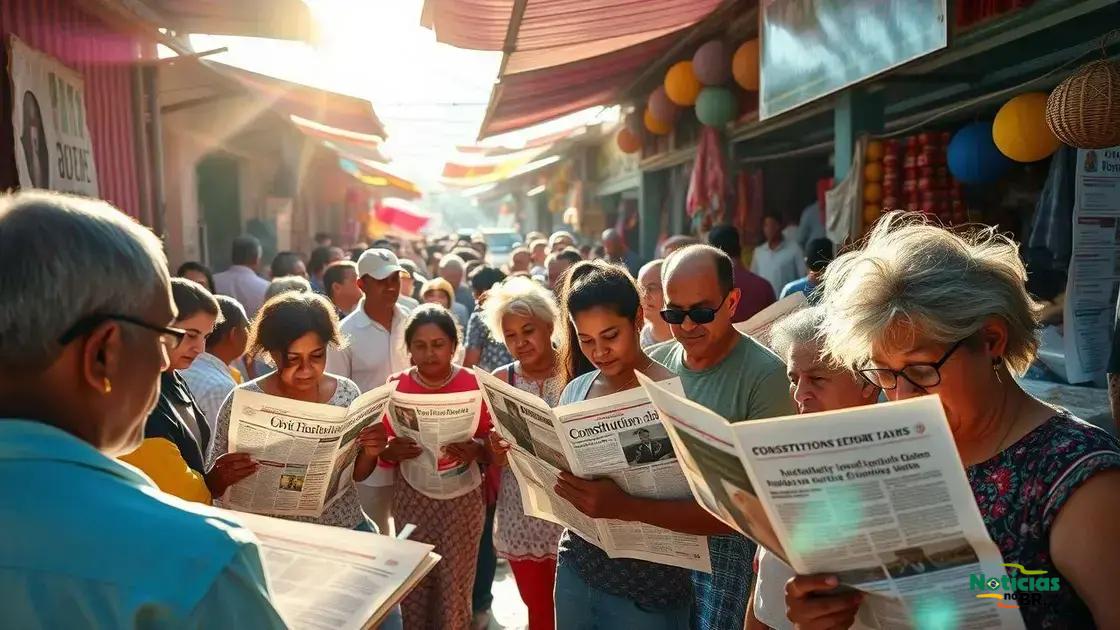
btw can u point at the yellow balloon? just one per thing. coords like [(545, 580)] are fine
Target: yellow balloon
[(1020, 130), (656, 126), (681, 85), (744, 65)]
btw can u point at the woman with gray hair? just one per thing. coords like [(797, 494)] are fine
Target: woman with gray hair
[(523, 314), (920, 310), (84, 335)]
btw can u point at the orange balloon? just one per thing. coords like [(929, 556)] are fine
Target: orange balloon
[(655, 126), (681, 85), (874, 150), (872, 193), (871, 213), (628, 141), (744, 65), (873, 172)]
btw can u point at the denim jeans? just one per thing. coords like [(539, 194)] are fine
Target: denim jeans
[(482, 598), (580, 606)]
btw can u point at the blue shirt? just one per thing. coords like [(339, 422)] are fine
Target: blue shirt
[(90, 542), (803, 285)]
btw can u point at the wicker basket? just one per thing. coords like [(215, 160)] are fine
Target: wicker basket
[(1084, 110)]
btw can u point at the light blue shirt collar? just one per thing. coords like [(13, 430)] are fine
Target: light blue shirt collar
[(28, 440)]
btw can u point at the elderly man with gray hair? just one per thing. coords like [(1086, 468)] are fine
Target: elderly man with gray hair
[(84, 335), (453, 269)]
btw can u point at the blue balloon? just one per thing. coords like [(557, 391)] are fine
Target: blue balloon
[(973, 157)]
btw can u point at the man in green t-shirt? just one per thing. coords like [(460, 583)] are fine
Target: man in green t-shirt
[(734, 376)]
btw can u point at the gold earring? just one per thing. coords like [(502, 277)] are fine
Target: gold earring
[(106, 385)]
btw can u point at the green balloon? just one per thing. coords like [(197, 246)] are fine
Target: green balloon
[(716, 106)]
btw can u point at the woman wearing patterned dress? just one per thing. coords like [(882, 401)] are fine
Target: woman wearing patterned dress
[(523, 313), (920, 310), (442, 600), (294, 330)]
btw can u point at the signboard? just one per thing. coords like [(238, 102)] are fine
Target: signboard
[(53, 147), (811, 48), (1094, 267)]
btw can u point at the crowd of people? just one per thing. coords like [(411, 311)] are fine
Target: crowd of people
[(117, 379)]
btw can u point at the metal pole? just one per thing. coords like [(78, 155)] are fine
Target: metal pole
[(155, 137)]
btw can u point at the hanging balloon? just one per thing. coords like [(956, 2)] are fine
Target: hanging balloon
[(711, 64), (744, 65), (681, 85), (1020, 130), (655, 126), (973, 157), (661, 107), (716, 106), (627, 141)]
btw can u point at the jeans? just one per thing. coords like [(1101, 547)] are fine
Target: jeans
[(580, 606), (482, 598)]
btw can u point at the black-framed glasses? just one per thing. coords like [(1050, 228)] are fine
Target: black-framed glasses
[(922, 375), (699, 314), (169, 337)]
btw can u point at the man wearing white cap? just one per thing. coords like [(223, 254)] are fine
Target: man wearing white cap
[(374, 350)]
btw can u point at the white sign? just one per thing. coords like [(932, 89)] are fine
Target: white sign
[(53, 147), (1094, 270)]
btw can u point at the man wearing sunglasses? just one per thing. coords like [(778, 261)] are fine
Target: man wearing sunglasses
[(734, 376)]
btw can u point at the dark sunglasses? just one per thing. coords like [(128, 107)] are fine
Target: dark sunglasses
[(700, 314), (169, 337)]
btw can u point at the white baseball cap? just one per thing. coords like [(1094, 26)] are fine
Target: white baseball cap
[(379, 264)]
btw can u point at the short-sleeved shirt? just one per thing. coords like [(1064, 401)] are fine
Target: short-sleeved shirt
[(750, 383), (650, 585), (779, 266), (371, 353), (244, 285), (755, 294), (494, 353), (346, 511), (90, 542)]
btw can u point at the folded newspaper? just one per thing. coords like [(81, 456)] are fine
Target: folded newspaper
[(333, 578), (617, 436), (759, 325), (434, 421), (306, 450), (876, 495)]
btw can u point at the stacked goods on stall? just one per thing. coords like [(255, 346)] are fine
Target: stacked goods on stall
[(875, 186), (911, 173)]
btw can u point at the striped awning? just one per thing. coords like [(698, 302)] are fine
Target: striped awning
[(561, 56)]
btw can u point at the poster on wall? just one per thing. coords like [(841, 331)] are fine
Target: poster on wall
[(53, 146), (811, 48), (1094, 269)]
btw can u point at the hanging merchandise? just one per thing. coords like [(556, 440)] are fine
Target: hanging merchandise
[(627, 141), (661, 107), (681, 84), (707, 188), (1020, 130), (655, 126), (874, 189), (711, 63), (716, 106), (1084, 110), (744, 65), (973, 157)]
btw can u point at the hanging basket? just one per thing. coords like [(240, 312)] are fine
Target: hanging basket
[(1084, 110)]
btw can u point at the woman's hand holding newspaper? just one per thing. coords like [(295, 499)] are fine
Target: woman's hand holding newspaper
[(400, 449), (811, 605), (597, 498)]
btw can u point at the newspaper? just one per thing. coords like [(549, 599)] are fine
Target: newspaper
[(332, 578), (617, 436), (760, 324), (306, 450), (433, 421), (876, 495)]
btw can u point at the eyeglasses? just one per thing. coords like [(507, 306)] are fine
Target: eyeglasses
[(922, 375), (700, 314), (169, 337)]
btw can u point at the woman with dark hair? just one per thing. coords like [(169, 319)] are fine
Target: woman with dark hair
[(602, 313), (176, 432), (200, 273), (443, 599), (294, 330)]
